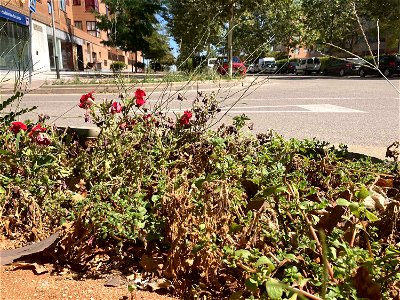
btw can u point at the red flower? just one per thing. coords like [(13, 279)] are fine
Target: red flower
[(139, 94), (36, 130), (185, 119), (86, 100), (17, 127), (42, 139), (116, 107)]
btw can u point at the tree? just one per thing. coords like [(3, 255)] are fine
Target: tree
[(387, 12), (330, 21), (196, 24), (159, 51), (129, 23)]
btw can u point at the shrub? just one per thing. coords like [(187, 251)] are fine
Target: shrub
[(220, 212), (117, 66)]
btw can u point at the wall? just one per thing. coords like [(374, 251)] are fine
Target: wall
[(40, 50)]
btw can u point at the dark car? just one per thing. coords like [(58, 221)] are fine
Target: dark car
[(341, 67), (238, 66), (287, 67), (388, 65)]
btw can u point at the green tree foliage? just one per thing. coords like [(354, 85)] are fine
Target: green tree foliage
[(330, 21), (196, 24), (388, 14), (266, 25), (129, 23), (159, 51)]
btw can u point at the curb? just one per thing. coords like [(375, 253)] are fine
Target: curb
[(112, 88)]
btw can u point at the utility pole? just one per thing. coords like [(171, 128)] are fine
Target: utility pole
[(230, 39), (30, 47), (55, 56)]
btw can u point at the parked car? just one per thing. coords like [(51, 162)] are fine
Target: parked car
[(251, 68), (238, 66), (269, 67), (285, 67), (388, 65), (212, 62), (308, 66), (291, 67), (341, 67)]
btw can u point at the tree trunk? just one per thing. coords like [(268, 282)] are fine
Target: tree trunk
[(136, 52)]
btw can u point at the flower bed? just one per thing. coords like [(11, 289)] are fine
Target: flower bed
[(215, 213)]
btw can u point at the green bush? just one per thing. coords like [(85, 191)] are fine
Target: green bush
[(274, 217), (117, 66)]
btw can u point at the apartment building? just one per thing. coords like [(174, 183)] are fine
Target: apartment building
[(78, 41)]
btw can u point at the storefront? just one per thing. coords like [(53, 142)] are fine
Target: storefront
[(14, 40)]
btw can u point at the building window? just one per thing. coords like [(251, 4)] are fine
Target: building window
[(76, 2), (78, 24), (92, 5), (62, 5), (92, 29)]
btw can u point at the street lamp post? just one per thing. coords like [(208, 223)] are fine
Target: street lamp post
[(55, 56)]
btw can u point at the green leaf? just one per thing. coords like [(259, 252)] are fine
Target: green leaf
[(252, 284), (370, 216), (263, 260), (275, 189), (202, 226), (342, 202), (362, 193), (291, 256), (235, 228), (132, 287), (4, 152), (355, 209), (243, 253), (198, 247), (274, 290), (199, 183)]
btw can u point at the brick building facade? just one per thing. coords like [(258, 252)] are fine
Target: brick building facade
[(78, 41)]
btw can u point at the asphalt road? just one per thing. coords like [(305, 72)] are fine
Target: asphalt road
[(362, 113)]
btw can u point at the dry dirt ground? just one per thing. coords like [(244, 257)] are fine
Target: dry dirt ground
[(21, 284)]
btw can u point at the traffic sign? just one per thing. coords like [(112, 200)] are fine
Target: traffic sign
[(32, 5)]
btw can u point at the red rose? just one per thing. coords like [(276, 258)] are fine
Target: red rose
[(139, 94), (17, 127), (116, 107), (185, 119), (37, 129), (42, 139), (86, 100)]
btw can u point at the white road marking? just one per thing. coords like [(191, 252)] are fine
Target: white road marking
[(329, 108), (307, 108)]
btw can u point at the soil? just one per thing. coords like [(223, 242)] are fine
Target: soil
[(17, 284)]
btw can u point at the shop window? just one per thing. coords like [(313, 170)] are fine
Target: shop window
[(76, 2), (78, 24), (13, 45), (92, 29), (92, 5)]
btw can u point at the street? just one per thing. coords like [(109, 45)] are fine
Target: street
[(360, 112)]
